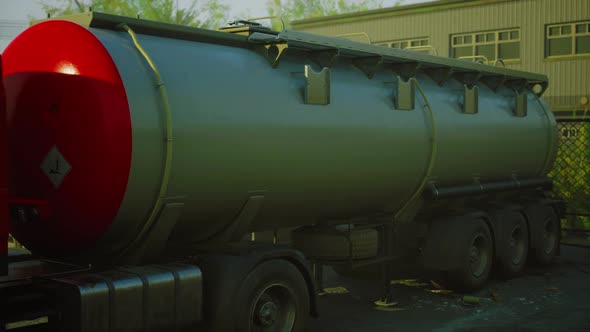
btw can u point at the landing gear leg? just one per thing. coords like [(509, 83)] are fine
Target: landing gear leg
[(386, 299), (387, 249), (317, 269)]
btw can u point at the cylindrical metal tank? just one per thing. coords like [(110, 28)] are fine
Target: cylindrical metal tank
[(88, 138)]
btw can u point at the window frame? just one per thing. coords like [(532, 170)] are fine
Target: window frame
[(496, 42), (408, 42), (573, 34)]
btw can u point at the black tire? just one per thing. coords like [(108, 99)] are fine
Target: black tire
[(547, 234), (513, 243), (476, 257), (273, 297), (332, 244)]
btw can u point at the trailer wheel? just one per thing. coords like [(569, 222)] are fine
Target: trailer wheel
[(476, 256), (273, 297), (513, 243), (547, 234)]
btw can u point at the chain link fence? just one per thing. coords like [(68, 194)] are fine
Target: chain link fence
[(571, 178)]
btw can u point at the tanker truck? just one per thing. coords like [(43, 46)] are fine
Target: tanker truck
[(143, 158)]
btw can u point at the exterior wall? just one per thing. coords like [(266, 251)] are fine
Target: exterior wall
[(568, 77), (8, 30)]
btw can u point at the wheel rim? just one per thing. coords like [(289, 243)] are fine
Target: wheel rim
[(274, 310), (549, 235), (517, 245), (478, 255)]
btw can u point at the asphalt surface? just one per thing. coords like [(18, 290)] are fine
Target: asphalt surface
[(554, 298)]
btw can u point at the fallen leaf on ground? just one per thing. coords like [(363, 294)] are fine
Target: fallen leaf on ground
[(471, 299), (335, 290), (440, 291), (389, 309), (436, 284), (409, 282), (381, 303)]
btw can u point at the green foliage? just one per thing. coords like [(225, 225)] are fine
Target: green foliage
[(571, 171), (199, 13), (291, 10)]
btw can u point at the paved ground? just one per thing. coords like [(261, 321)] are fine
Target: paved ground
[(549, 299)]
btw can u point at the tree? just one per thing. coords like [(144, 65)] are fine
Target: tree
[(290, 10), (199, 13)]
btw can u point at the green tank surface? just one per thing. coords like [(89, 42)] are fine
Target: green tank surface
[(238, 132)]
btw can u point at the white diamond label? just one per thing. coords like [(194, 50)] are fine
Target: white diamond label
[(55, 166)]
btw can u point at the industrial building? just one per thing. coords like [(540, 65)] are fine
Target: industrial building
[(543, 36), (551, 37), (8, 30)]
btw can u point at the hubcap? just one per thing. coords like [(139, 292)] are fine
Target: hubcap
[(478, 256), (517, 245), (267, 313), (274, 310)]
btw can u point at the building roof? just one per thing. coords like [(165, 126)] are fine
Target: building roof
[(393, 11)]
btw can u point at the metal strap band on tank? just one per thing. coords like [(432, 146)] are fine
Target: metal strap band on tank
[(551, 135), (433, 153), (168, 161)]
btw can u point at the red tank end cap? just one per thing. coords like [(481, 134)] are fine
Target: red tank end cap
[(69, 131)]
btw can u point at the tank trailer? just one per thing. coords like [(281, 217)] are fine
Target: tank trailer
[(141, 158)]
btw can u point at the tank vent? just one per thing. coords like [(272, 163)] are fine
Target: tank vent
[(246, 28)]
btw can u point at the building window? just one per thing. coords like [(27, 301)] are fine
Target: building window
[(500, 44), (567, 39), (416, 44)]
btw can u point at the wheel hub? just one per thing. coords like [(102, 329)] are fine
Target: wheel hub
[(474, 254), (275, 310), (267, 313), (478, 256), (517, 245)]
